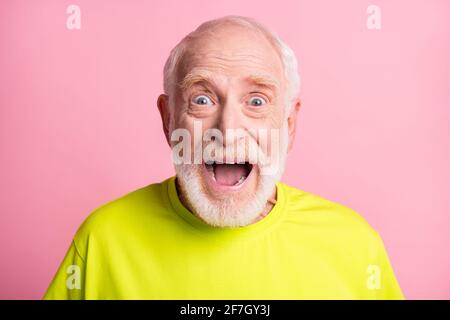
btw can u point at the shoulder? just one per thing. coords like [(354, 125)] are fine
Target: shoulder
[(121, 216), (314, 210)]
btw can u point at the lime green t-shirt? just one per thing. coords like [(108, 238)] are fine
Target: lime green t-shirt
[(147, 245)]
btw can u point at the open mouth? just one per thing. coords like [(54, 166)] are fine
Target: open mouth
[(229, 175)]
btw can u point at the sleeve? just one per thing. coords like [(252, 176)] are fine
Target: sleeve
[(389, 288), (68, 282)]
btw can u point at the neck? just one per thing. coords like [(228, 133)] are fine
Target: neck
[(269, 205)]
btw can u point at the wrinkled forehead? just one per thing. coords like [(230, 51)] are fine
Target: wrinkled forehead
[(232, 52)]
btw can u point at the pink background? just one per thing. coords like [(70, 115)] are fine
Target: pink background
[(79, 124)]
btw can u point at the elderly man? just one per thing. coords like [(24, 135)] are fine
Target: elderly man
[(224, 227)]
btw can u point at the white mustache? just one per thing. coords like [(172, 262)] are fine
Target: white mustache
[(244, 150)]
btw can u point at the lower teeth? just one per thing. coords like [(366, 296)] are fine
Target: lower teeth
[(240, 181)]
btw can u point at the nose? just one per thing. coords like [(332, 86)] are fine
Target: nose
[(229, 119)]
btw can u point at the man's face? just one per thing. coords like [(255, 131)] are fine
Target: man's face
[(231, 80)]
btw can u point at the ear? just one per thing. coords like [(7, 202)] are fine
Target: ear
[(164, 111), (292, 121)]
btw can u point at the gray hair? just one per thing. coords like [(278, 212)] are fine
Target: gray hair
[(287, 55)]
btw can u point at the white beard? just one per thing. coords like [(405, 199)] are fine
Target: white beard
[(228, 212)]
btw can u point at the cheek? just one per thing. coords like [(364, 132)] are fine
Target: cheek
[(194, 129), (271, 142), (272, 119), (277, 117), (276, 131)]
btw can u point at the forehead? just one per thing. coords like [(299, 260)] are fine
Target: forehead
[(234, 52)]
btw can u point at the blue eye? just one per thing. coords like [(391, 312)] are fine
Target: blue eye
[(202, 100), (257, 101)]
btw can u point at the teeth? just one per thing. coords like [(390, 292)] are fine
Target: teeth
[(240, 181)]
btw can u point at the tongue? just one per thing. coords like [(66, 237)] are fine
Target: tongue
[(229, 174)]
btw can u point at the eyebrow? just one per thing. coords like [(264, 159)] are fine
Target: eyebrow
[(206, 77), (195, 77), (264, 80)]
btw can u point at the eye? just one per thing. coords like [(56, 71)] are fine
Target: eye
[(202, 100), (257, 101)]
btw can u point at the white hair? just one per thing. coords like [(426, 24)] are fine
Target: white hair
[(287, 55)]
